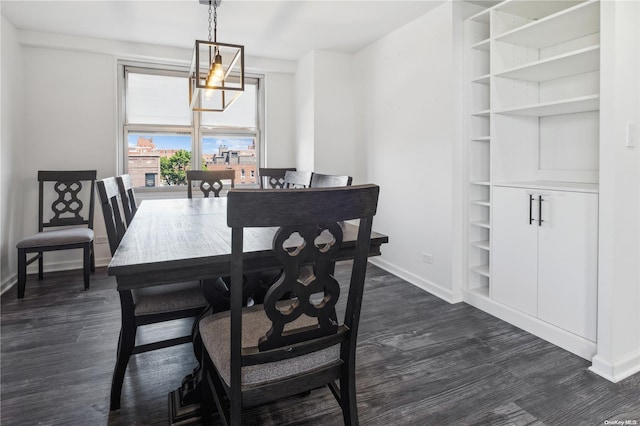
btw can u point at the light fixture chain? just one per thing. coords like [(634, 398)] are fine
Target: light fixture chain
[(210, 20), (215, 20)]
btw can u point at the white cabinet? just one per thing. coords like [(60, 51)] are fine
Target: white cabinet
[(544, 255)]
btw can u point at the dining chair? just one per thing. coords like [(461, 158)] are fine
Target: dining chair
[(143, 306), (273, 177), (210, 181), (297, 179), (72, 220), (258, 354), (128, 197), (319, 180)]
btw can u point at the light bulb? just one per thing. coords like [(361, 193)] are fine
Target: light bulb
[(216, 72)]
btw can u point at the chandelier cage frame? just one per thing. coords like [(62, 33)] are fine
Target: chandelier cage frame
[(218, 96)]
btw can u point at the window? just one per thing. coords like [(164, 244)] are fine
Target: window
[(162, 136)]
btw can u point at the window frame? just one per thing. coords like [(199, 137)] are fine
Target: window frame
[(196, 131)]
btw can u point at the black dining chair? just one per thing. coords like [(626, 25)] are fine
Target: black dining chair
[(285, 347), (128, 197), (210, 181), (319, 180), (297, 179), (67, 225), (143, 306), (273, 177)]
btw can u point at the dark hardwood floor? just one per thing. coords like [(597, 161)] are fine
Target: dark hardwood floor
[(421, 361)]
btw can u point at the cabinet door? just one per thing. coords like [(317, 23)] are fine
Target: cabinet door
[(568, 259), (514, 250)]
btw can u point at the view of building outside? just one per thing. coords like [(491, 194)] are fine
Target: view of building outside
[(162, 159)]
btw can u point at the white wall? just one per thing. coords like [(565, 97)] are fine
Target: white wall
[(334, 148), (280, 116), (305, 110), (618, 353), (69, 121), (11, 152), (408, 120)]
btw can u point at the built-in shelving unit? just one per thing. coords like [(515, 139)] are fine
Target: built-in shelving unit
[(532, 90)]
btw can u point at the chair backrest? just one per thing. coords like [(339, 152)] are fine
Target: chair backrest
[(310, 231), (108, 194), (210, 180), (272, 177), (68, 207), (319, 180), (128, 197), (297, 179)]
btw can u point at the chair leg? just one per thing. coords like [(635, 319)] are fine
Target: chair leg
[(22, 272), (40, 266), (348, 398), (86, 266), (93, 258), (126, 343)]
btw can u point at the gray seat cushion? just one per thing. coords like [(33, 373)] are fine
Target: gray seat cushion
[(58, 237), (168, 297), (215, 333)]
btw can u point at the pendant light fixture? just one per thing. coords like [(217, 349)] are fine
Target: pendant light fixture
[(216, 76)]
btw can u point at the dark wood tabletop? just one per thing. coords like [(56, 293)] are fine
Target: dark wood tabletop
[(188, 239)]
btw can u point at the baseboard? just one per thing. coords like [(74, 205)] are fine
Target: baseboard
[(50, 267), (428, 286), (617, 371), (573, 343)]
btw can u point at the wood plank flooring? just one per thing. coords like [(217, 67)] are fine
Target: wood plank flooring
[(421, 361)]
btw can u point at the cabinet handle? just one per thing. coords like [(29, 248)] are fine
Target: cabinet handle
[(540, 200), (530, 209)]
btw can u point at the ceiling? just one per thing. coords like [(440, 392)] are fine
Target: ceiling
[(280, 29)]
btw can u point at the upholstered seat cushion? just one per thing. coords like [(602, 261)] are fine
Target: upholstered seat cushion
[(168, 297), (58, 237), (215, 333)]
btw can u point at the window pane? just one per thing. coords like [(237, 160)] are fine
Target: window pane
[(157, 99), (158, 159), (232, 152), (242, 113)]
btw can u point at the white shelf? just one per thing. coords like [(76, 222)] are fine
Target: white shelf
[(576, 62), (482, 139), (483, 113), (565, 106), (482, 270), (483, 79), (482, 17), (553, 185), (534, 9), (565, 25), (484, 245), (481, 183), (485, 203), (482, 45), (481, 224)]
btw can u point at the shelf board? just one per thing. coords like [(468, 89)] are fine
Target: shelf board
[(572, 63), (481, 224), (568, 24), (482, 17), (480, 182), (553, 185), (484, 203), (481, 269), (483, 79), (483, 113), (484, 245), (536, 9), (565, 106), (482, 45), (482, 139), (482, 291)]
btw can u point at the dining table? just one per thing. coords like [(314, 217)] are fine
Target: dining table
[(175, 240)]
